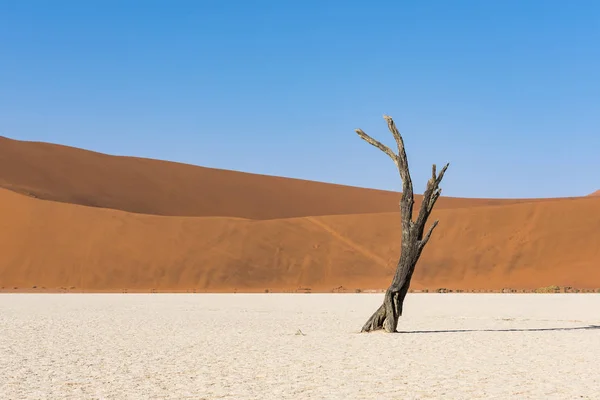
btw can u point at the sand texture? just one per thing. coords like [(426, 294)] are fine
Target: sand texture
[(244, 346), (76, 220), (527, 245)]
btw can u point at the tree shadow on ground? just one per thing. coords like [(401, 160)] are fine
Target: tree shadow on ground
[(576, 328)]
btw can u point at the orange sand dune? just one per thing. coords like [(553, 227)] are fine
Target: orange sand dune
[(71, 175), (524, 245), (596, 193)]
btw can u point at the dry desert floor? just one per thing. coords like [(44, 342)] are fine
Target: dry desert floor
[(245, 346)]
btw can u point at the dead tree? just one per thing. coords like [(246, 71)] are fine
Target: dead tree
[(414, 237)]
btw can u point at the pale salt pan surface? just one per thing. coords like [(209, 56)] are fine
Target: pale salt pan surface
[(243, 346)]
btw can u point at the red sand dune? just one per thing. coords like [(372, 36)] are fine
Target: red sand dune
[(71, 175), (479, 244)]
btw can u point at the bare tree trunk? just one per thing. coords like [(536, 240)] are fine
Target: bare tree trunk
[(414, 238)]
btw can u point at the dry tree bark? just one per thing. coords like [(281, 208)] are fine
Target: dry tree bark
[(414, 237)]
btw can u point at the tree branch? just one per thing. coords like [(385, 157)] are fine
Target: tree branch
[(437, 191), (425, 239), (436, 194), (402, 159), (442, 172), (377, 144), (407, 201)]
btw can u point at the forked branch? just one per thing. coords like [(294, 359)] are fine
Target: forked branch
[(431, 195)]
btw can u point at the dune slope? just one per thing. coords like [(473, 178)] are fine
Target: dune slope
[(66, 174), (52, 244)]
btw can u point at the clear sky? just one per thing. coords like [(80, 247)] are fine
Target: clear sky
[(507, 91)]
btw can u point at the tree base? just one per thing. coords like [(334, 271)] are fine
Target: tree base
[(386, 316)]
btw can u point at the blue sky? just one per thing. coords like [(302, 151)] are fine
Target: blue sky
[(507, 91)]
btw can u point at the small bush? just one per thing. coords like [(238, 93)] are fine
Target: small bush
[(548, 289)]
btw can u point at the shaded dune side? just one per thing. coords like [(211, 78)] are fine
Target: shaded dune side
[(52, 245), (70, 175)]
